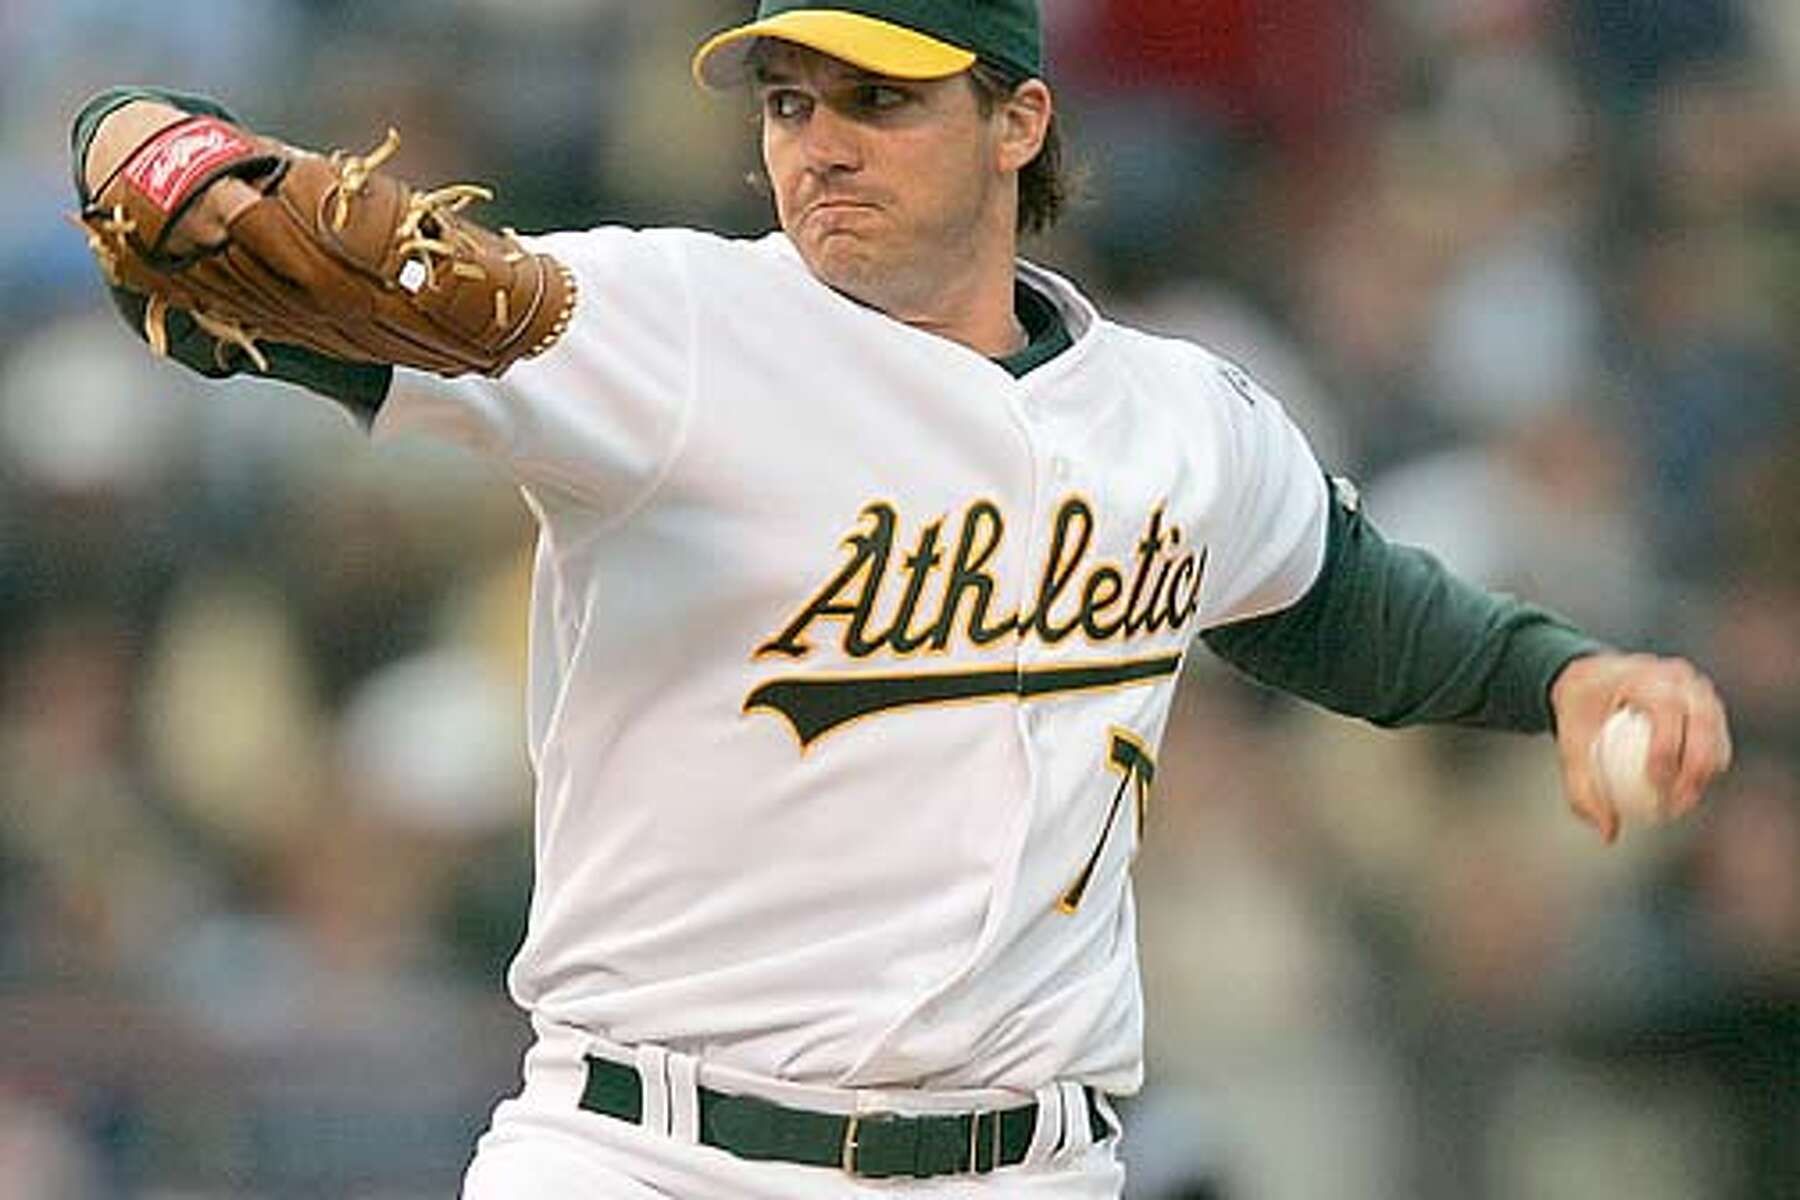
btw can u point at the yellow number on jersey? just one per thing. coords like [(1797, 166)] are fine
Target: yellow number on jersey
[(1126, 755)]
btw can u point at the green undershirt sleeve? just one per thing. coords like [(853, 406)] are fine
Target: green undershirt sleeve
[(1386, 633)]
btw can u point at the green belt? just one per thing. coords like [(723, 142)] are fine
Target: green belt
[(870, 1146)]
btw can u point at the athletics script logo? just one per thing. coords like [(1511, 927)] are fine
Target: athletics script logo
[(888, 601)]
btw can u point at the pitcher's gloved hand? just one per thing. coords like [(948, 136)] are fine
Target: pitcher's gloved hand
[(259, 242)]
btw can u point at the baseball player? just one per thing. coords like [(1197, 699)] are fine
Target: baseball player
[(869, 555)]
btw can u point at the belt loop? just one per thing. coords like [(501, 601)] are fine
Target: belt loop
[(1102, 1104), (985, 1142), (1077, 1135), (652, 1068), (684, 1097), (1046, 1136), (850, 1144)]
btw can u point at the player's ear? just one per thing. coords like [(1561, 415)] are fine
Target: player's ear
[(1024, 123)]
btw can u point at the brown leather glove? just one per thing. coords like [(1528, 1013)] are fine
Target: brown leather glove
[(333, 256)]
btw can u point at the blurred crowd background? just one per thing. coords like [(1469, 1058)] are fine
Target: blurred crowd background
[(1527, 270)]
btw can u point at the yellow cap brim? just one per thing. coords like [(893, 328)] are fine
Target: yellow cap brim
[(874, 45)]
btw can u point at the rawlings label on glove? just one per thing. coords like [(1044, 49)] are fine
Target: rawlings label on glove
[(333, 256)]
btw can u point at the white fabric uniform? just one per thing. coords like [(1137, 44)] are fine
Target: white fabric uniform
[(850, 655)]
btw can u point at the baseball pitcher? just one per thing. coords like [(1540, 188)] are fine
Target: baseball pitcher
[(868, 558)]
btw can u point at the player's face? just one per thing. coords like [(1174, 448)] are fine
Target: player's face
[(889, 188)]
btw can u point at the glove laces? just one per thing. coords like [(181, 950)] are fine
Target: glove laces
[(422, 244)]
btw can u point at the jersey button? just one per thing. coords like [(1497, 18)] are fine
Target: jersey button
[(1059, 468)]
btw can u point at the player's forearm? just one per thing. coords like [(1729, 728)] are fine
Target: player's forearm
[(117, 134), (115, 123), (119, 118), (1389, 635)]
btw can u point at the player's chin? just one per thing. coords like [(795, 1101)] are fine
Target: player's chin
[(844, 262)]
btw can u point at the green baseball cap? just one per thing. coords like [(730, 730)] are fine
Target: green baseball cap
[(904, 39)]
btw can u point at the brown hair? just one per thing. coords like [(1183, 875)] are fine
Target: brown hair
[(1045, 187)]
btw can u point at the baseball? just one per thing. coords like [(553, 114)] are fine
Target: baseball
[(1622, 762)]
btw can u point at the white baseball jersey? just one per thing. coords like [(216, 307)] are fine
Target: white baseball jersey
[(850, 657)]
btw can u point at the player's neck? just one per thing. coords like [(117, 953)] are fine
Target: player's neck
[(990, 334), (977, 308)]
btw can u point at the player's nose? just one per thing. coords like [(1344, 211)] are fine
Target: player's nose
[(831, 141)]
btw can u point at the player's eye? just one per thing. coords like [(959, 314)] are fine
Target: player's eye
[(879, 97), (785, 104)]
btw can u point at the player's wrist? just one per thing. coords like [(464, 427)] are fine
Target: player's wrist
[(119, 133), (1589, 681)]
